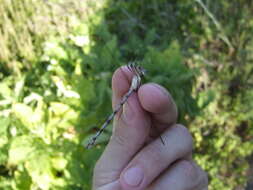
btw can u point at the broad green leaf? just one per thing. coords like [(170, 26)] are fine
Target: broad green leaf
[(59, 163), (23, 180), (40, 170), (5, 91), (60, 109), (19, 88), (24, 113), (21, 149), (4, 124)]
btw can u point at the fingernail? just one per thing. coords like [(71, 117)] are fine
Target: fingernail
[(134, 176)]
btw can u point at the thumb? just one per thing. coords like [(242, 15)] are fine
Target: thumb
[(131, 128)]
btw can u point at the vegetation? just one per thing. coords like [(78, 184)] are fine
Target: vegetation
[(56, 61)]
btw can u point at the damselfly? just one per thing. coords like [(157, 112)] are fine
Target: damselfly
[(138, 72)]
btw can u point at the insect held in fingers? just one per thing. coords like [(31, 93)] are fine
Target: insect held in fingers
[(138, 73)]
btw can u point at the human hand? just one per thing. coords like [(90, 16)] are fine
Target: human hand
[(135, 158)]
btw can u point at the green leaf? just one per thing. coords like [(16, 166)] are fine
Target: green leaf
[(21, 149), (39, 168), (23, 180), (4, 124), (19, 88), (59, 163), (24, 113), (5, 91)]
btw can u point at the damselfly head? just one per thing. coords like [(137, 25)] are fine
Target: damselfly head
[(136, 69), (141, 71)]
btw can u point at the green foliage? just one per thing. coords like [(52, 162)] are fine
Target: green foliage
[(55, 86), (167, 65), (25, 25), (224, 132)]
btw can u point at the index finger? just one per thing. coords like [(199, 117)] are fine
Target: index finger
[(131, 129)]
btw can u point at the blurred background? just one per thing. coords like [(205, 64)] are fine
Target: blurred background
[(56, 62)]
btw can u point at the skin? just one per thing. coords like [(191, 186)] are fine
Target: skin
[(135, 158)]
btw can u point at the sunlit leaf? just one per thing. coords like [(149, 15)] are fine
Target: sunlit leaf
[(21, 148)]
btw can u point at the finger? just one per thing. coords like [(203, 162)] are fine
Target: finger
[(121, 82), (158, 102), (130, 131), (181, 175), (151, 161)]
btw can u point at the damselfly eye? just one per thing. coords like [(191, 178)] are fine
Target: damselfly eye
[(143, 71), (140, 71), (131, 66), (136, 69)]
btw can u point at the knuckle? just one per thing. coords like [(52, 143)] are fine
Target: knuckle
[(119, 139), (99, 170), (188, 169), (196, 178), (154, 152), (184, 135), (102, 176), (201, 179)]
